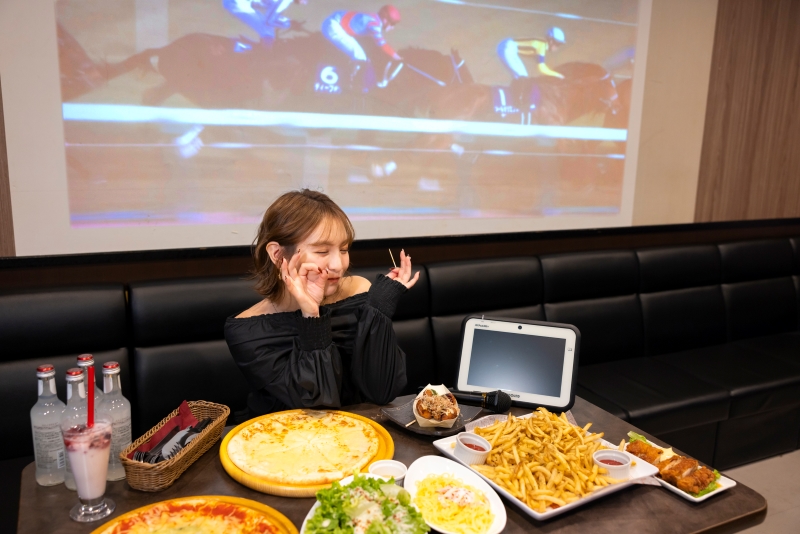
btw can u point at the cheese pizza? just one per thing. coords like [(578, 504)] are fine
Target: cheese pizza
[(303, 447), (196, 515)]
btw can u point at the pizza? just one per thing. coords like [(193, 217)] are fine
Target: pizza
[(195, 515), (303, 447)]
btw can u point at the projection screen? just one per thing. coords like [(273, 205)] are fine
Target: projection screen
[(151, 124)]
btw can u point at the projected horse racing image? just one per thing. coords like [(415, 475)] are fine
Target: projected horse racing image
[(201, 112)]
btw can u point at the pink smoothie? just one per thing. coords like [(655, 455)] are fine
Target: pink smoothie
[(88, 450)]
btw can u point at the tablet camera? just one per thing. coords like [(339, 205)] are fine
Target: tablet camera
[(520, 327)]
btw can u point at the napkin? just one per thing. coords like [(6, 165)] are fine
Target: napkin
[(183, 420)]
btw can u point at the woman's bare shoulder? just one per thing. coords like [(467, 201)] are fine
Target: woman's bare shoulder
[(356, 285), (261, 308)]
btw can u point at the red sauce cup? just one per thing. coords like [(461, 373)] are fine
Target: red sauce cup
[(467, 448), (617, 463)]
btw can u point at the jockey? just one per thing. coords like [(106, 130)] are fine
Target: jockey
[(343, 27), (264, 16), (509, 51)]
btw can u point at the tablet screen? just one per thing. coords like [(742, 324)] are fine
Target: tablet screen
[(517, 362)]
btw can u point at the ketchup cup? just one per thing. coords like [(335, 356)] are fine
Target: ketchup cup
[(471, 448)]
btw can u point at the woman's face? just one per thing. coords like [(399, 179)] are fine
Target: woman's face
[(327, 248)]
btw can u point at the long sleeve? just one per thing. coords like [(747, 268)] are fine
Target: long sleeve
[(378, 368), (291, 358)]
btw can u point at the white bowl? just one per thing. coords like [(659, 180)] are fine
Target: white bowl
[(471, 456), (620, 472), (389, 468)]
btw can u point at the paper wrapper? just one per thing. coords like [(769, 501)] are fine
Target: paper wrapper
[(428, 423)]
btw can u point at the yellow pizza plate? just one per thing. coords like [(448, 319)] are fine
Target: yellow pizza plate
[(275, 517), (385, 452)]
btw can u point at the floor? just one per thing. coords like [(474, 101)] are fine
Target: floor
[(768, 477)]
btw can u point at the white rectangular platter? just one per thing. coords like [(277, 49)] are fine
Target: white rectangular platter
[(639, 471), (723, 483)]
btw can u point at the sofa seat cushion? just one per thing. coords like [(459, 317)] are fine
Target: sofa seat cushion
[(756, 381), (785, 347), (170, 374), (657, 397)]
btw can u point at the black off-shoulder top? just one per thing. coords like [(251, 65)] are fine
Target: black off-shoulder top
[(347, 355)]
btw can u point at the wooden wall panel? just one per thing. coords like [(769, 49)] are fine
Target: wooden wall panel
[(6, 222), (750, 164)]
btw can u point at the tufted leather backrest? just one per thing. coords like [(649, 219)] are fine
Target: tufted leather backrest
[(180, 352), (681, 300), (596, 291), (54, 326), (509, 287), (412, 328), (62, 321), (184, 311), (760, 297)]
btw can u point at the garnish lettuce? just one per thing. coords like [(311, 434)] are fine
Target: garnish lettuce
[(378, 507), (636, 437)]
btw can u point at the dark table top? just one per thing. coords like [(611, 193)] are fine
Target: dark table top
[(640, 509)]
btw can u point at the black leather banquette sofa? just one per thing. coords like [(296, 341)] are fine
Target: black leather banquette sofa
[(698, 345)]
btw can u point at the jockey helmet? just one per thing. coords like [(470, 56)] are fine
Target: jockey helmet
[(389, 15), (556, 34)]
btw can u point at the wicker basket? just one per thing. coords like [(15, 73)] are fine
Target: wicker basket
[(160, 476)]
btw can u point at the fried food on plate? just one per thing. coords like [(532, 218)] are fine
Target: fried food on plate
[(437, 407), (543, 460)]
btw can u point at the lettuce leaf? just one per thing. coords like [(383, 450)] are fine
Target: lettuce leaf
[(387, 504), (636, 437)]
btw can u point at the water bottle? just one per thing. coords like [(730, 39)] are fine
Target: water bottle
[(119, 409), (84, 362), (48, 447)]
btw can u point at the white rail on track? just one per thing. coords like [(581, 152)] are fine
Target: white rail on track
[(245, 117), (535, 12)]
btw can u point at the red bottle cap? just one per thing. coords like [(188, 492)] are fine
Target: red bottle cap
[(111, 365), (74, 372), (45, 368)]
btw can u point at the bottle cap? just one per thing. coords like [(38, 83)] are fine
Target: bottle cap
[(110, 368), (74, 375), (85, 360), (45, 371)]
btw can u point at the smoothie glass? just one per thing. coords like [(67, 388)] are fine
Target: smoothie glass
[(88, 450)]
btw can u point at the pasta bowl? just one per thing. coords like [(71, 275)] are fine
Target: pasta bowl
[(436, 465)]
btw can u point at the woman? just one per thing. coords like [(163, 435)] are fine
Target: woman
[(320, 337)]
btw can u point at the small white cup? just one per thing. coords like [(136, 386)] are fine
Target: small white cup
[(471, 456), (620, 472), (388, 469)]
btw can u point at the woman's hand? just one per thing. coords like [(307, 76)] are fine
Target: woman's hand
[(402, 274), (306, 284)]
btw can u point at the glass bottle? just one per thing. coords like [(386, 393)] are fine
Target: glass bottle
[(84, 362), (119, 409), (76, 403), (48, 447)]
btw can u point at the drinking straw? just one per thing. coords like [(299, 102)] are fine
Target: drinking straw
[(392, 256), (90, 397)]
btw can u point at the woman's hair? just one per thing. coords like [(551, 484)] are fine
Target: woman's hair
[(288, 221)]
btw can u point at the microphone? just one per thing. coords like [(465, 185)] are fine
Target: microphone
[(495, 401)]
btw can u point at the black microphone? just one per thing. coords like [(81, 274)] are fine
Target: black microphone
[(495, 401)]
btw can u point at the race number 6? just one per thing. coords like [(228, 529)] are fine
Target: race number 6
[(328, 75)]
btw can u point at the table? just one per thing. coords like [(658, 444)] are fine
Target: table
[(640, 509)]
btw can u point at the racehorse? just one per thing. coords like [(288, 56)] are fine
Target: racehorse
[(214, 71)]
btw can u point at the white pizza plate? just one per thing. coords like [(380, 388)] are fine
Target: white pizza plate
[(345, 481), (640, 470), (436, 465), (723, 483)]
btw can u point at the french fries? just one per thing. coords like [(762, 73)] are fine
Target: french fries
[(543, 460)]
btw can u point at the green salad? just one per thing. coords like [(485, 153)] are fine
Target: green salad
[(365, 506), (708, 489)]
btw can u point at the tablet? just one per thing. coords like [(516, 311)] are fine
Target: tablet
[(535, 362)]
